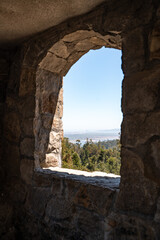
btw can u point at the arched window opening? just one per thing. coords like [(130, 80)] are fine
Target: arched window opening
[(49, 134), (92, 112)]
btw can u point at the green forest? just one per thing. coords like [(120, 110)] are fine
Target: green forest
[(103, 156)]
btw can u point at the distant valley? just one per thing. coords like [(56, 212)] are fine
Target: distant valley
[(98, 135)]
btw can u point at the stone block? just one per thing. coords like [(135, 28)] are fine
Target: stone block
[(42, 141), (157, 213), (57, 123), (47, 120), (49, 103), (129, 227), (141, 92), (59, 187), (6, 215), (27, 82), (37, 200), (98, 41), (60, 49), (26, 169), (40, 179), (133, 58), (12, 103), (58, 208), (27, 127), (47, 81), (74, 58), (12, 129), (27, 106), (53, 160), (84, 45), (27, 147), (60, 103), (54, 140), (94, 198), (53, 63), (12, 157), (17, 191), (155, 42), (78, 35), (151, 156), (139, 128), (137, 193), (86, 222)]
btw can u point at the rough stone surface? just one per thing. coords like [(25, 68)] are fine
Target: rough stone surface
[(48, 119), (44, 17), (45, 204), (12, 126), (26, 169), (62, 55), (27, 147)]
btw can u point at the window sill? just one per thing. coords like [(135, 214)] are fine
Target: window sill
[(101, 179)]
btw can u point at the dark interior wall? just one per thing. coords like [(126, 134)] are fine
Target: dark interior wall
[(31, 202), (17, 139), (6, 208), (5, 60), (18, 119)]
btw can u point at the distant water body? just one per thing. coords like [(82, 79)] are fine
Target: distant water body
[(95, 136)]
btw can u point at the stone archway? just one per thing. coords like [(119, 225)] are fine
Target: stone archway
[(49, 98)]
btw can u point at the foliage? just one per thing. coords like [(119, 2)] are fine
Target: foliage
[(102, 156)]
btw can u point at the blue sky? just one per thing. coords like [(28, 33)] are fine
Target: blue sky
[(92, 92)]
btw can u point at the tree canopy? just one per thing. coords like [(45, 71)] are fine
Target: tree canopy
[(102, 156)]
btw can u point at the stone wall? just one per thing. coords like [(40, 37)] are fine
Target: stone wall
[(68, 207), (48, 119), (41, 204)]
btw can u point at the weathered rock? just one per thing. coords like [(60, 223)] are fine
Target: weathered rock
[(140, 92), (134, 54), (27, 82), (141, 188), (48, 123), (53, 63), (60, 50)]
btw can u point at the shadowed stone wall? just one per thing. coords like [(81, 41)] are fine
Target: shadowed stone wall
[(41, 204), (4, 75)]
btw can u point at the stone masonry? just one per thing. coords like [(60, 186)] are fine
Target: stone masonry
[(48, 119), (41, 204)]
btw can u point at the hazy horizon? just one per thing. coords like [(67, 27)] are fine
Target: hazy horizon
[(96, 136), (91, 130)]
